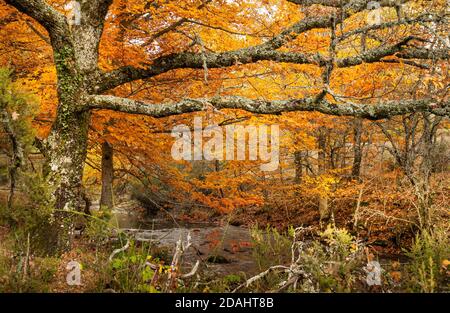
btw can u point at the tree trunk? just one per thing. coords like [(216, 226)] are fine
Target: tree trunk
[(67, 142), (106, 199), (298, 160), (67, 145), (16, 158), (357, 148), (323, 199), (423, 178), (66, 154)]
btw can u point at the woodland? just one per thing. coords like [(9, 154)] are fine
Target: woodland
[(350, 194)]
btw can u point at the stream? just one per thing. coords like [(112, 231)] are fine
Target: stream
[(223, 250)]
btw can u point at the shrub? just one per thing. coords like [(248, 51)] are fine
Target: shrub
[(331, 262), (32, 216), (270, 246), (133, 269), (429, 252)]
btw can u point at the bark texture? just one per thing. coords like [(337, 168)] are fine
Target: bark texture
[(106, 199)]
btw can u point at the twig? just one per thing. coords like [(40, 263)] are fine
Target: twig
[(127, 245), (27, 257), (260, 275), (358, 205), (193, 271)]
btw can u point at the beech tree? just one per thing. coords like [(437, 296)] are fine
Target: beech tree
[(83, 86)]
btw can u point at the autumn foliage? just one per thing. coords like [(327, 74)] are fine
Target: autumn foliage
[(384, 174)]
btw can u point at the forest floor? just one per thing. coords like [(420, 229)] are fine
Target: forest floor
[(387, 239)]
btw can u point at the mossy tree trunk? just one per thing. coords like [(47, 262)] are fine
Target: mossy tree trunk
[(67, 146), (75, 51)]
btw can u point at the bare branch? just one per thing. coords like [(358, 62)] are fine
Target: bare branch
[(113, 254), (317, 104)]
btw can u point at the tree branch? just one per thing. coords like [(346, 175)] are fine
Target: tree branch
[(341, 3), (254, 54), (375, 54), (95, 11), (267, 51), (196, 61), (422, 53), (317, 104), (264, 51), (327, 3), (53, 21), (173, 26)]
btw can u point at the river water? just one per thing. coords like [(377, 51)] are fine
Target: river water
[(222, 249)]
